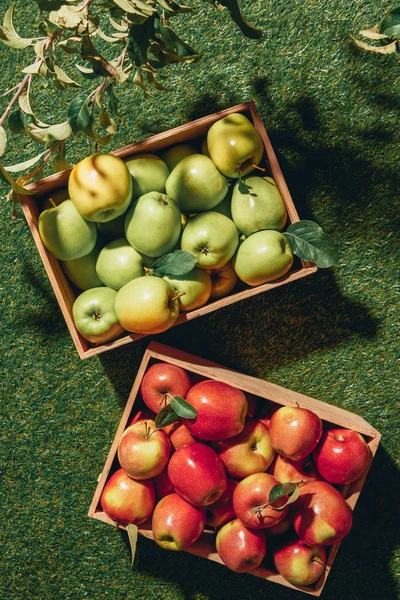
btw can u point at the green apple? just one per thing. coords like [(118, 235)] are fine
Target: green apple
[(234, 145), (196, 184), (260, 207), (65, 233), (114, 229), (119, 263), (204, 147), (195, 287), (176, 153), (262, 257), (147, 305), (153, 224), (149, 173), (224, 207), (100, 186), (82, 271), (94, 315), (212, 238), (223, 281)]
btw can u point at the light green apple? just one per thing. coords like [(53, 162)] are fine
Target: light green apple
[(224, 207), (149, 173), (234, 145), (260, 206), (94, 315), (176, 153), (114, 229), (212, 238), (82, 271), (262, 257), (223, 281), (100, 186), (196, 184), (147, 305), (118, 262), (153, 224), (195, 287), (65, 233)]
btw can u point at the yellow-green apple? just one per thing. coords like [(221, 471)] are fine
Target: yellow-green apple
[(161, 382), (114, 229), (196, 184), (221, 511), (162, 484), (262, 257), (94, 315), (320, 514), (197, 474), (251, 501), (176, 153), (248, 452), (176, 524), (223, 280), (212, 238), (149, 173), (127, 500), (193, 288), (118, 262), (179, 435), (224, 207), (100, 187), (298, 563), (82, 271), (240, 549), (143, 450), (234, 145), (287, 470), (65, 233), (295, 431), (341, 456), (153, 224), (147, 305), (259, 207), (221, 410)]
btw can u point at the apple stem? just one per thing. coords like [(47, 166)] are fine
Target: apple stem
[(178, 296), (258, 167), (52, 202)]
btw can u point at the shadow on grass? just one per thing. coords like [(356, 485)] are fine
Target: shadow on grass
[(366, 552)]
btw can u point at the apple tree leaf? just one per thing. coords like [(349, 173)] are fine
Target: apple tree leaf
[(284, 489), (18, 189), (3, 140), (234, 10), (166, 416), (182, 408), (308, 241), (175, 263), (78, 113), (132, 530), (244, 188), (390, 25)]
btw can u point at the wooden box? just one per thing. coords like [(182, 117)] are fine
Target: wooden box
[(192, 132), (199, 368)]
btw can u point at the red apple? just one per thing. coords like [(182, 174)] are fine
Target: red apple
[(284, 469), (162, 484), (142, 415), (280, 528), (298, 563), (176, 524), (143, 450), (179, 434), (221, 410), (161, 382), (248, 452), (341, 456), (126, 500), (250, 502), (241, 549), (321, 515), (197, 474), (294, 431), (221, 511)]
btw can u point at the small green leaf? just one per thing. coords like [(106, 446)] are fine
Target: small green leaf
[(139, 41), (136, 7), (182, 408), (60, 131), (166, 416), (132, 530), (33, 68), (26, 164), (234, 10), (243, 187), (178, 263), (18, 189), (78, 113), (173, 7), (285, 489), (17, 121), (3, 140), (8, 34), (390, 25), (308, 241)]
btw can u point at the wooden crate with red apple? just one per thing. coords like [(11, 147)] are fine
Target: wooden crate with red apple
[(258, 461), (194, 133)]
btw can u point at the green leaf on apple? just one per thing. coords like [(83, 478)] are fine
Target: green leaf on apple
[(132, 536), (165, 417), (308, 241), (284, 489), (175, 263), (182, 408), (244, 188)]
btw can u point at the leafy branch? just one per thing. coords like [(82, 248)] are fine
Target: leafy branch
[(386, 34), (94, 47)]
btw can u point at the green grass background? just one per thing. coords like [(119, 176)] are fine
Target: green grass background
[(332, 112)]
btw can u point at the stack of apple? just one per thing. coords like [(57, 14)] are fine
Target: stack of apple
[(215, 205), (266, 478)]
